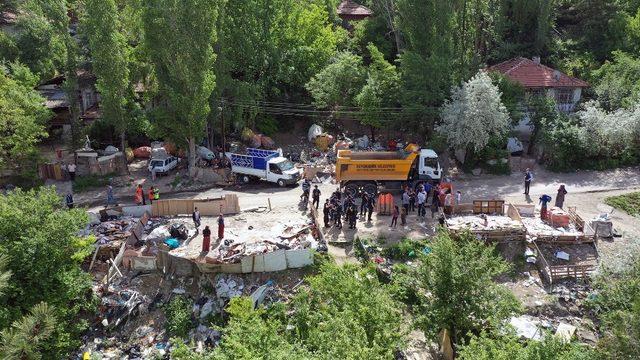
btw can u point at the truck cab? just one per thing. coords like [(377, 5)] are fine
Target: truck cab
[(428, 166), (281, 170)]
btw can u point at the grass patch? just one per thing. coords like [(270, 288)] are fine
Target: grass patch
[(84, 183), (629, 203)]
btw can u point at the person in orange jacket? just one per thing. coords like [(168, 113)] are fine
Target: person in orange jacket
[(151, 195), (139, 198)]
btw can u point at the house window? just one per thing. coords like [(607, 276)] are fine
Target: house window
[(564, 96)]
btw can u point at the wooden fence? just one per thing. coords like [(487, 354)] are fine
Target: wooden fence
[(228, 204), (553, 273)]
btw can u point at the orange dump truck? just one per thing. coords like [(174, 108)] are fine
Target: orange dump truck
[(368, 170)]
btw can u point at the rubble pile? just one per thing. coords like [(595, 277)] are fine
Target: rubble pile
[(114, 230), (483, 222), (538, 227)]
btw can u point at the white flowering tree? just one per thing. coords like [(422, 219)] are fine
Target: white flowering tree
[(609, 133), (474, 114)]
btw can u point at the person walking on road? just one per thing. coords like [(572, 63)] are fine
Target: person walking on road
[(206, 239), (403, 217), (394, 216), (560, 196), (338, 215), (412, 200), (325, 212), (110, 199), (405, 200), (69, 200), (139, 197), (422, 202), (435, 205), (370, 205), (196, 219), (220, 225), (71, 168), (363, 204), (151, 195), (316, 197), (528, 177)]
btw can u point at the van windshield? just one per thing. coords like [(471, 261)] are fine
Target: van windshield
[(285, 165), (157, 163)]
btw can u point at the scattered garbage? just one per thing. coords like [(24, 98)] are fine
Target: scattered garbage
[(565, 332), (314, 131), (562, 255), (526, 327)]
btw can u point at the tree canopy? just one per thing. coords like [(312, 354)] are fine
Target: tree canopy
[(474, 114)]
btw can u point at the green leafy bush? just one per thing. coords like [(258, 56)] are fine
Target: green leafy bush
[(404, 250), (630, 203), (84, 183), (178, 313)]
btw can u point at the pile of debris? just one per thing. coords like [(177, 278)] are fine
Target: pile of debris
[(114, 230), (482, 222), (538, 227)]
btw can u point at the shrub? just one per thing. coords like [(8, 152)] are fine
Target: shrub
[(630, 203), (178, 313)]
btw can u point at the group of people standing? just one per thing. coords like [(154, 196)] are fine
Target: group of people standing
[(335, 208), (545, 199), (153, 194), (206, 233)]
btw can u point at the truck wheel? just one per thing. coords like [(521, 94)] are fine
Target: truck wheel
[(246, 179), (281, 183)]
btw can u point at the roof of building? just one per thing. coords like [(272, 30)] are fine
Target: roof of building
[(351, 8), (55, 97), (532, 74), (7, 18)]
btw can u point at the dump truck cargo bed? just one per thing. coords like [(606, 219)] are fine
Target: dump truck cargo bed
[(370, 165)]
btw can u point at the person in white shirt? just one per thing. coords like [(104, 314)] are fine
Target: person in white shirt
[(422, 199), (71, 168)]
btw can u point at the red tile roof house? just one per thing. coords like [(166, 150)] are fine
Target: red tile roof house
[(537, 78), (349, 10), (540, 79)]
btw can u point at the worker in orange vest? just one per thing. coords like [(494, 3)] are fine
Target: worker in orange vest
[(139, 198), (151, 194)]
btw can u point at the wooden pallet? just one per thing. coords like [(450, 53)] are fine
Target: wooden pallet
[(488, 207)]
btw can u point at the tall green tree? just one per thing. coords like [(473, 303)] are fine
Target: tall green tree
[(35, 229), (338, 83), (380, 91), (618, 81), (179, 35), (266, 51), (428, 27), (109, 54), (524, 28), (22, 118), (458, 292)]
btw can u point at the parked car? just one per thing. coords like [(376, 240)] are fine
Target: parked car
[(163, 165)]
